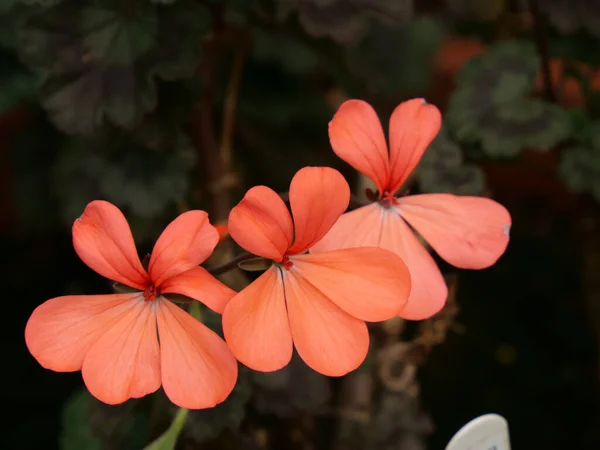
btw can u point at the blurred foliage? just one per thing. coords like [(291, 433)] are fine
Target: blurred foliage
[(122, 99), (491, 105)]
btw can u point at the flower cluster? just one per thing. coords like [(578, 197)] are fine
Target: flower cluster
[(328, 272)]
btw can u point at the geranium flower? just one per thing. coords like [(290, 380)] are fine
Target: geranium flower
[(114, 339), (319, 302), (467, 232)]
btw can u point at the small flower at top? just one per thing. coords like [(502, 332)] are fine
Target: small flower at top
[(317, 302), (467, 232), (127, 345)]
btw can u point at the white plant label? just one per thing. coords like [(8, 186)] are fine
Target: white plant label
[(487, 432)]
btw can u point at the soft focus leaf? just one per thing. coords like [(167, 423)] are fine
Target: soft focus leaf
[(77, 432), (569, 16), (475, 9), (345, 21), (98, 63), (490, 105), (442, 169), (398, 59), (580, 169), (18, 85)]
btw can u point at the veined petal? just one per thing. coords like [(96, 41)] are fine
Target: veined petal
[(368, 283), (318, 197), (358, 228), (428, 289), (468, 232), (329, 340), (198, 370), (61, 331), (125, 363), (103, 241), (357, 137), (255, 324), (413, 125), (261, 223), (198, 284), (186, 242)]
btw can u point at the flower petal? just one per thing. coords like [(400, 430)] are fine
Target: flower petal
[(328, 339), (103, 241), (357, 137), (186, 242), (467, 232), (125, 363), (358, 228), (413, 125), (318, 197), (198, 370), (428, 288), (261, 223), (61, 331), (198, 284), (368, 283), (255, 324)]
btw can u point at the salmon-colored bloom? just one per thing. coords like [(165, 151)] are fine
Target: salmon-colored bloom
[(114, 339), (319, 302), (467, 232)]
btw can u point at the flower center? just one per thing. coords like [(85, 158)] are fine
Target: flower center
[(151, 293), (286, 263), (388, 200)]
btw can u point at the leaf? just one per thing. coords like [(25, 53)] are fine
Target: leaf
[(580, 169), (345, 21), (409, 67), (18, 84), (98, 63), (443, 170), (490, 106), (569, 16), (77, 432), (168, 439)]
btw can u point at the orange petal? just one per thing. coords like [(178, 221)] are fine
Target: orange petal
[(61, 331), (318, 197), (468, 232), (428, 289), (358, 228), (198, 284), (261, 223), (357, 137), (255, 324), (198, 370), (413, 125), (186, 242), (103, 240), (368, 283), (328, 339), (125, 363), (374, 226)]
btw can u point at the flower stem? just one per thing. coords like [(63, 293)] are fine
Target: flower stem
[(168, 439), (230, 265)]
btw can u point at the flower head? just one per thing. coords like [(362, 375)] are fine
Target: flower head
[(468, 232), (317, 302), (127, 345)]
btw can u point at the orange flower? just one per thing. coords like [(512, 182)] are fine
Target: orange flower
[(113, 339), (467, 232), (319, 302)]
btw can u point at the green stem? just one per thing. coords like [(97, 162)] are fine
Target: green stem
[(168, 439)]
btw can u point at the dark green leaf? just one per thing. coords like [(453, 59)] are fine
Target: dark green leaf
[(580, 169), (409, 68), (77, 432), (442, 169), (98, 64), (18, 84)]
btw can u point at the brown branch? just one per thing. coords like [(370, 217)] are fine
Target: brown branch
[(541, 40)]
